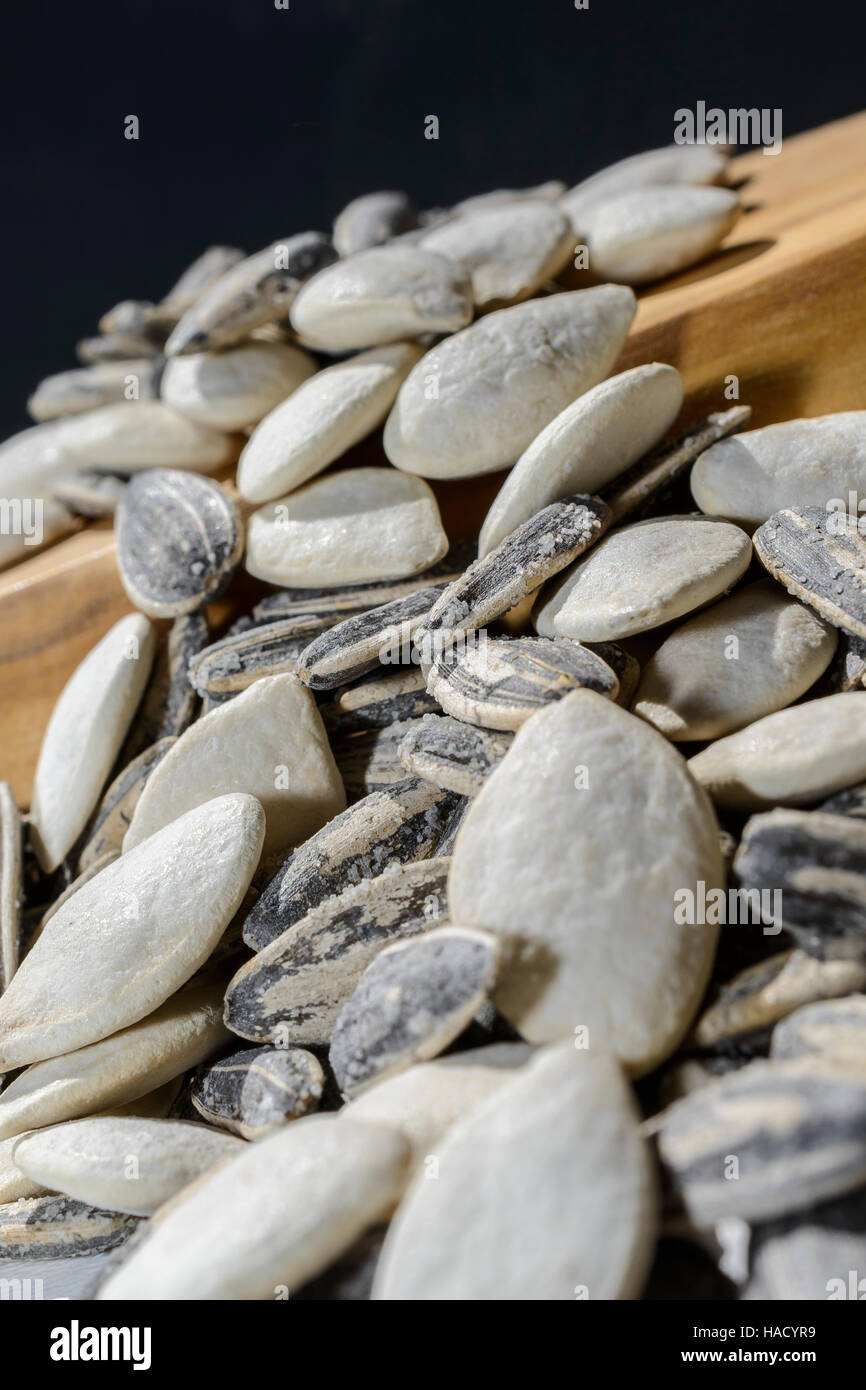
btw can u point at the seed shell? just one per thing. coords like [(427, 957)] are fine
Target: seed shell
[(256, 1091), (822, 563), (370, 761), (53, 1227), (453, 754), (377, 700), (11, 888), (366, 641), (833, 1030), (227, 667), (169, 703), (293, 990), (398, 825), (115, 811)]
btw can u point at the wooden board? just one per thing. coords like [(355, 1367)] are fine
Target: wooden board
[(782, 307)]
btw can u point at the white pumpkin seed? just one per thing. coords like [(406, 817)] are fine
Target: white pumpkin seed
[(510, 251), (88, 388), (169, 703), (655, 231), (130, 436), (236, 388), (372, 219), (672, 164), (11, 887)]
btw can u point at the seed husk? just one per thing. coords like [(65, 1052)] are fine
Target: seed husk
[(373, 219), (382, 295), (132, 935), (561, 1140), (833, 1030), (817, 863), (850, 802), (227, 667), (510, 250), (179, 541), (169, 703), (790, 758), (85, 732), (11, 887), (366, 641), (499, 684), (255, 1092), (452, 754), (504, 380), (651, 232), (254, 291), (115, 810), (293, 990), (93, 496), (377, 700), (529, 555), (797, 1131), (762, 994), (370, 761), (268, 741), (398, 825), (822, 564), (350, 527), (413, 1000), (87, 388), (445, 846), (120, 1069), (234, 389), (53, 1227), (592, 441)]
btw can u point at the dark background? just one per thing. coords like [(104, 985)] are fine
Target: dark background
[(257, 122)]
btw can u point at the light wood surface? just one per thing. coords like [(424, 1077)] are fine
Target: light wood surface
[(782, 307)]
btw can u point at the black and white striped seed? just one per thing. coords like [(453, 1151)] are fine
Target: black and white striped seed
[(114, 813), (821, 559), (452, 754), (377, 700), (255, 1091), (381, 636), (227, 667), (52, 1227)]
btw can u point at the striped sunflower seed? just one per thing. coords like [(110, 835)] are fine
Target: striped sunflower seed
[(234, 389), (85, 732), (117, 939), (87, 388), (227, 667), (821, 563), (377, 700), (451, 754), (253, 291), (398, 825), (363, 642), (169, 703), (293, 990), (53, 1227), (373, 219), (445, 845), (831, 1030), (286, 1209), (817, 864), (93, 496), (850, 802), (11, 888), (370, 761), (255, 1092), (531, 554), (500, 683), (791, 1133), (179, 541), (115, 811), (127, 1164), (122, 1068), (413, 1000)]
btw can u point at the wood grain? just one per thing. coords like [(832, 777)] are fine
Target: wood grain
[(782, 307)]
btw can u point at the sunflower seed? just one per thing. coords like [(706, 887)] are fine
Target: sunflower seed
[(790, 758), (816, 864), (93, 496), (425, 1101), (812, 1255), (847, 670), (85, 731), (117, 937), (561, 1140), (412, 1001), (398, 825), (522, 861), (799, 463), (52, 1227), (528, 556), (510, 251), (254, 1092), (130, 1165), (588, 444), (644, 575), (370, 761), (655, 231), (831, 1030), (237, 387), (747, 656), (624, 666), (293, 990), (115, 810), (350, 527), (169, 702), (451, 754), (227, 667), (672, 164), (322, 420), (269, 741), (13, 1183), (851, 802), (132, 316), (11, 888), (499, 684), (504, 379), (376, 701), (382, 295), (363, 642), (127, 437), (179, 541), (763, 993), (204, 271), (287, 1207), (819, 562), (445, 845), (372, 219), (771, 1138), (252, 292), (87, 388)]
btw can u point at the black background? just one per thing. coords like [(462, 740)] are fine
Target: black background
[(258, 122)]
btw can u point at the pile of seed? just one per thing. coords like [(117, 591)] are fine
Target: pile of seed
[(377, 944)]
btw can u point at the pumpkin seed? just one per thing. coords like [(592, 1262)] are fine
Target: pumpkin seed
[(13, 1183), (452, 754), (651, 232), (372, 219), (128, 436), (510, 251), (87, 388), (11, 890), (672, 164), (254, 1092), (237, 387)]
